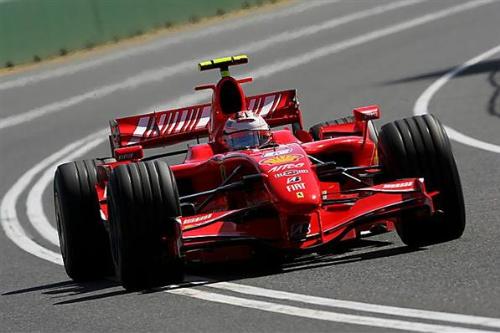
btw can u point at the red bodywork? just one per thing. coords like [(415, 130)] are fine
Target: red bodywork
[(286, 198)]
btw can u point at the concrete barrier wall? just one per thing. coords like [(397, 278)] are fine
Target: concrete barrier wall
[(31, 30)]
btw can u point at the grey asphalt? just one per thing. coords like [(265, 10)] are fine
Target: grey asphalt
[(461, 276)]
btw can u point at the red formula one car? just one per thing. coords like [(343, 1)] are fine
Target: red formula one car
[(296, 191)]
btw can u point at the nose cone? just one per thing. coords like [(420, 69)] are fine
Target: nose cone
[(292, 183), (297, 190)]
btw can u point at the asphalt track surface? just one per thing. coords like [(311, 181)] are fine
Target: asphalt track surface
[(339, 55)]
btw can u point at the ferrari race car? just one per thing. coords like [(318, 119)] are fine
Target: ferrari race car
[(299, 191)]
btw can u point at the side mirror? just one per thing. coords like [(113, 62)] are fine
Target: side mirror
[(129, 153), (365, 113)]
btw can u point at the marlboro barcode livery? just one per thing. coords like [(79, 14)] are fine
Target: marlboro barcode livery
[(257, 184), (171, 126)]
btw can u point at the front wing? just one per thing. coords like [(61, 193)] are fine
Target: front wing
[(339, 217)]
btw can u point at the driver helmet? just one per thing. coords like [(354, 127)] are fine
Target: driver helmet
[(245, 130)]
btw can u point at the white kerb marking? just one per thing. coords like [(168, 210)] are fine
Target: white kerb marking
[(389, 310), (231, 25), (319, 314), (422, 103), (159, 74)]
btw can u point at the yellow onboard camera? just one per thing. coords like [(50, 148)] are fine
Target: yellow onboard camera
[(223, 63)]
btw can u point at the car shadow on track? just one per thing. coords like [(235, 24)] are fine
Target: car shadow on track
[(69, 292), (63, 289), (350, 252), (491, 67)]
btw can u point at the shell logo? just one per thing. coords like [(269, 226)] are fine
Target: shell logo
[(281, 159)]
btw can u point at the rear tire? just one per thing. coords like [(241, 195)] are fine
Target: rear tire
[(83, 238), (145, 233), (419, 147), (316, 129)]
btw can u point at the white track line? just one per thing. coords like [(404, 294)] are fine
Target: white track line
[(161, 44), (9, 220), (159, 74), (319, 314), (422, 103), (34, 205), (389, 310), (286, 64)]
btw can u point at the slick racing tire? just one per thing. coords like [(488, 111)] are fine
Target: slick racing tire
[(315, 130), (419, 147), (83, 238), (144, 229)]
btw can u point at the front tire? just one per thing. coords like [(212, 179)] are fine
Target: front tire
[(419, 147), (83, 238), (145, 233)]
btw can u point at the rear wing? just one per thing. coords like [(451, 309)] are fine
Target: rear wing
[(161, 128), (173, 126)]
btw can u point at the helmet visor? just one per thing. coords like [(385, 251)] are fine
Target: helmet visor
[(247, 139)]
